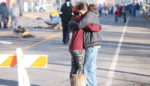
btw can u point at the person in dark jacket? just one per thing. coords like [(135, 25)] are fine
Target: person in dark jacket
[(66, 15), (137, 8), (4, 12), (124, 14), (91, 41)]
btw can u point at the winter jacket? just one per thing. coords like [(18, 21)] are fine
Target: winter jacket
[(137, 7), (91, 38), (117, 13), (66, 12), (4, 11), (77, 39)]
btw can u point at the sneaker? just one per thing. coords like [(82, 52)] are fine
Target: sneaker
[(66, 43)]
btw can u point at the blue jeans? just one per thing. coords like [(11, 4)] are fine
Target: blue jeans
[(90, 67), (116, 18), (137, 12), (14, 21)]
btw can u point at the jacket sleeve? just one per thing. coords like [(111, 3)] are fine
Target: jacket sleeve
[(89, 18), (93, 28), (73, 25), (61, 11)]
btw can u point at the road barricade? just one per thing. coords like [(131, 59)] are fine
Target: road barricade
[(8, 60), (23, 62)]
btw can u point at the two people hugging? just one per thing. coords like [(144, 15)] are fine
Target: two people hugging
[(85, 41)]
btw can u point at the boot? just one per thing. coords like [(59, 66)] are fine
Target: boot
[(5, 23), (78, 80)]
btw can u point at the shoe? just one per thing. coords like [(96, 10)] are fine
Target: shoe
[(66, 42), (5, 27)]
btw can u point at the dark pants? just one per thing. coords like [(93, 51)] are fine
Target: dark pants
[(5, 22), (116, 18), (125, 19), (65, 32), (77, 61)]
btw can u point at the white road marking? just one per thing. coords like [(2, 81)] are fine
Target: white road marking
[(5, 42), (112, 68)]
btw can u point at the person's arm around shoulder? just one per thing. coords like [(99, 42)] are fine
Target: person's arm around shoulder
[(93, 28), (88, 19)]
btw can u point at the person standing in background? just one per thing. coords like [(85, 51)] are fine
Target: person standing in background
[(117, 13), (124, 14), (4, 12), (66, 15), (14, 12), (137, 7)]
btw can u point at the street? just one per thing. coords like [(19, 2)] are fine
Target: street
[(123, 60)]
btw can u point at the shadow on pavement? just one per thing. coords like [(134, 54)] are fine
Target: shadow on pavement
[(136, 82), (11, 83), (62, 64), (124, 72)]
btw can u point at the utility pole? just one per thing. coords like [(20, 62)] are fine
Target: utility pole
[(20, 7), (113, 2)]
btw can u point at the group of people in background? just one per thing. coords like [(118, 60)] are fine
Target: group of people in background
[(120, 10), (123, 10), (5, 13)]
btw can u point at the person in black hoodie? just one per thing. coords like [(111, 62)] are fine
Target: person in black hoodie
[(66, 15), (4, 12)]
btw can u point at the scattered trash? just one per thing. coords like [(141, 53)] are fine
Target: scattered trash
[(21, 32), (54, 21)]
